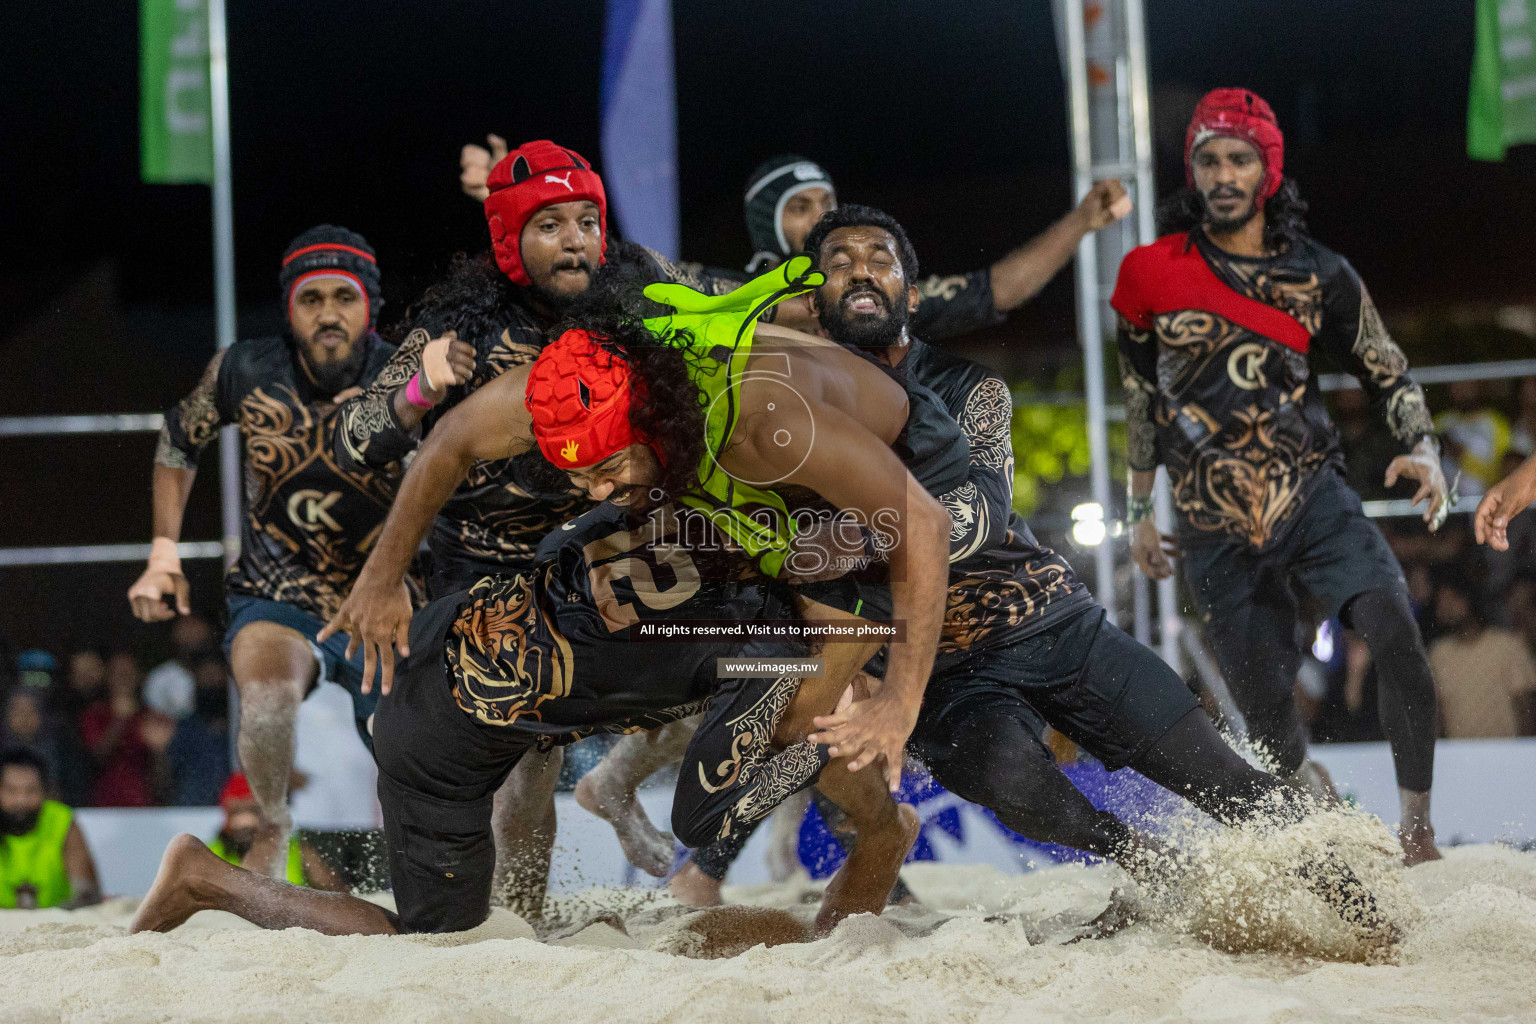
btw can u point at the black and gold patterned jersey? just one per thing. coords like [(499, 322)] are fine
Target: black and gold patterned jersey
[(1003, 584), (498, 515), (1214, 350), (560, 649), (309, 521)]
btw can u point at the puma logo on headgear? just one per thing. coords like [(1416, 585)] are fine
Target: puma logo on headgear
[(566, 181)]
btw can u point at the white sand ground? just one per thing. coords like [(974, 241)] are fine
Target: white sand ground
[(984, 947)]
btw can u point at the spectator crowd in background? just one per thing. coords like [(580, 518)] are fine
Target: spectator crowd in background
[(1475, 606), (114, 735)]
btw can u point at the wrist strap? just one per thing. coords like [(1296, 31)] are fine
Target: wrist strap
[(163, 556), (1137, 509), (413, 393)]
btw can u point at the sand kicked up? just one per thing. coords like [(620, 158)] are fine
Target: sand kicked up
[(983, 946)]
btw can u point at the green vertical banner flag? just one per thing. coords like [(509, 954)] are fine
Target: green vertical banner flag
[(175, 124), (1501, 108)]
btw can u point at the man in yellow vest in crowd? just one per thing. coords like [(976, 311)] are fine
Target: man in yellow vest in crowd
[(243, 824), (44, 861)]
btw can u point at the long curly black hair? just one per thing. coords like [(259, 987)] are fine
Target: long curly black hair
[(667, 407), (1284, 214), (473, 298)]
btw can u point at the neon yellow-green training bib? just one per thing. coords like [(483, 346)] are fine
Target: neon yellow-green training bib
[(36, 860), (715, 333), (295, 870)]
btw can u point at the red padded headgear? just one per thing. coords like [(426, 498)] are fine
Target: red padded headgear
[(535, 175), (236, 789), (579, 393), (1238, 114)]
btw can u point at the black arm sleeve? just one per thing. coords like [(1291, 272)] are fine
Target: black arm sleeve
[(369, 434), (1138, 374), (956, 304), (194, 421), (1354, 337), (979, 508)]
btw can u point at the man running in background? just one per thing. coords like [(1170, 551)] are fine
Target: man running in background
[(310, 519), (1217, 321), (787, 194)]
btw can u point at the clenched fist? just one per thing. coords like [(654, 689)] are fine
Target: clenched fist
[(1104, 203), (475, 163)]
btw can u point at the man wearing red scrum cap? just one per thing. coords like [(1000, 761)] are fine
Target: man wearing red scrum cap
[(786, 194), (309, 518), (547, 213), (1217, 320)]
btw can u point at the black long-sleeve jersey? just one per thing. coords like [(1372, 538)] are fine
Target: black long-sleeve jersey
[(1214, 352), (1003, 583)]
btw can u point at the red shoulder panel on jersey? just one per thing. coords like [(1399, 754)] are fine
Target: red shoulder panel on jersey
[(1170, 275)]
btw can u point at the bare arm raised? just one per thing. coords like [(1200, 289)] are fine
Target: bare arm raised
[(492, 423), (821, 445)]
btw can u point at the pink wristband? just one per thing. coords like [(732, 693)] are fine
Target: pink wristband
[(413, 393)]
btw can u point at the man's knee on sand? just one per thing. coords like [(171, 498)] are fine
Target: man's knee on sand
[(441, 880)]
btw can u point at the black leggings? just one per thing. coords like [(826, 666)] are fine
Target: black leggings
[(999, 763), (1262, 681), (1405, 688)]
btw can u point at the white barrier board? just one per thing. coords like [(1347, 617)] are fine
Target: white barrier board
[(1485, 791)]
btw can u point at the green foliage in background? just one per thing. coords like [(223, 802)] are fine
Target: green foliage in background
[(1050, 443)]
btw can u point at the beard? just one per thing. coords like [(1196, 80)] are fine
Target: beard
[(337, 374), (1227, 225), (19, 824), (561, 302), (880, 329)]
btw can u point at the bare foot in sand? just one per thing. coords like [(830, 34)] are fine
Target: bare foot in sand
[(174, 896), (693, 888), (1122, 912), (645, 846), (1414, 830), (864, 881), (1418, 844)]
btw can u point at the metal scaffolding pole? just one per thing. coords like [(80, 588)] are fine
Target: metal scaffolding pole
[(1104, 45), (1089, 328), (223, 265), (1140, 94)]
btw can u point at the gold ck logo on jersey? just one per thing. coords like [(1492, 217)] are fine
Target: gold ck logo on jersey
[(309, 510), (1246, 366)]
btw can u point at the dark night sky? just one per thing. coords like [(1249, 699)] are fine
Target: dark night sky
[(952, 115), (949, 115)]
